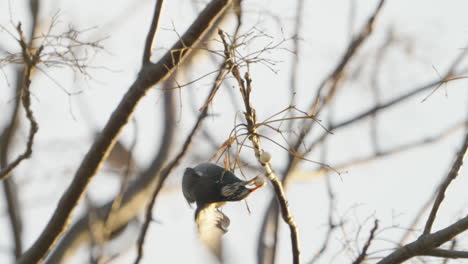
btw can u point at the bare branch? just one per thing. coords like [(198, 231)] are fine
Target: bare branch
[(296, 48), (382, 154), (331, 222), (425, 244), (9, 186), (458, 163), (428, 242), (134, 199), (30, 59), (363, 254), (150, 75), (167, 170), (449, 254), (152, 32), (338, 72), (332, 80), (245, 86)]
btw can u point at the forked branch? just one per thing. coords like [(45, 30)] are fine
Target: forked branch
[(150, 75), (245, 86)]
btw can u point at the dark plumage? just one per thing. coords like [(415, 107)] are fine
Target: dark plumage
[(210, 186)]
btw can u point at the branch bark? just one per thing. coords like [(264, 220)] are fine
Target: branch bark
[(163, 176), (149, 75), (457, 165), (332, 82), (245, 86), (152, 32), (428, 242), (425, 245), (9, 186)]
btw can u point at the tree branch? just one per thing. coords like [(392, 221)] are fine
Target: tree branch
[(150, 75), (331, 81), (165, 173), (295, 175), (338, 72), (449, 254), (9, 186), (428, 242), (152, 32), (30, 59), (457, 165), (363, 254), (425, 244), (245, 86)]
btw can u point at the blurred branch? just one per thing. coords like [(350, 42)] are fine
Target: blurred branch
[(295, 175), (457, 165), (453, 244), (391, 103), (9, 185), (10, 188), (296, 48), (449, 254), (427, 204), (428, 241), (331, 210), (331, 81), (133, 200), (425, 244), (149, 75), (363, 254), (168, 169), (30, 59), (375, 87), (152, 32), (336, 75)]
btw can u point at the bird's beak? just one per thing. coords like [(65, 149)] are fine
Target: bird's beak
[(257, 183)]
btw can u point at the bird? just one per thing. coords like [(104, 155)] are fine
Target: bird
[(210, 186)]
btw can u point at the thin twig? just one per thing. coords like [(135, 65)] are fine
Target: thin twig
[(331, 210), (382, 154), (378, 108), (452, 247), (152, 32), (168, 169), (363, 254), (428, 241), (30, 60), (333, 81), (9, 186), (245, 87), (338, 72), (296, 49), (457, 165), (11, 191), (163, 176)]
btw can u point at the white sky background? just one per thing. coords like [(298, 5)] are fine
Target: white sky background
[(391, 189)]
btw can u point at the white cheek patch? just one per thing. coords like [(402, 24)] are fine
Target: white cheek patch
[(229, 190)]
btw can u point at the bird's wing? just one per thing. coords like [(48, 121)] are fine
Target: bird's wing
[(212, 224), (190, 179)]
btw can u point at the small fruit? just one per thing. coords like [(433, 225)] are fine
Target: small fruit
[(259, 181), (265, 157)]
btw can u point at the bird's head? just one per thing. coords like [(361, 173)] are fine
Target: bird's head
[(239, 190)]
